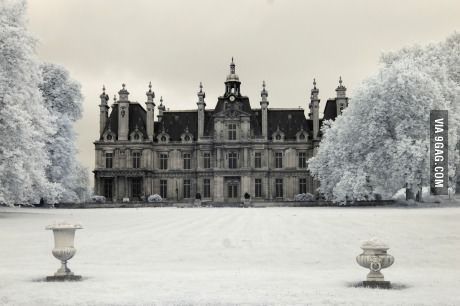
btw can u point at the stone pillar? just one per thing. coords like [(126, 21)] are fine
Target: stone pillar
[(201, 106), (150, 105), (314, 110), (264, 108), (218, 189), (123, 114)]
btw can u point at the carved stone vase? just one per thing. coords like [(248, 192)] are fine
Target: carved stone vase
[(375, 258), (64, 250)]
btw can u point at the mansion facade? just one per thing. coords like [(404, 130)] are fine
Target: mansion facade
[(220, 153)]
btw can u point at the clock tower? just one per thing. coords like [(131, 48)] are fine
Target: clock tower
[(232, 84)]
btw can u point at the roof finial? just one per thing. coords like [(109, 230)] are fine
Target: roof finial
[(314, 83), (103, 89), (150, 86), (161, 100), (340, 80), (264, 93), (232, 67), (114, 98), (123, 85), (201, 87)]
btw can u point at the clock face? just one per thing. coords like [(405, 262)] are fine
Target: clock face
[(232, 98)]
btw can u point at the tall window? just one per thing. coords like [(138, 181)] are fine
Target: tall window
[(258, 160), (302, 185), (136, 186), (206, 160), (278, 160), (232, 160), (108, 188), (164, 188), (232, 131), (206, 188), (302, 159), (108, 160), (163, 161), (187, 161), (258, 188), (279, 188), (136, 160), (186, 189)]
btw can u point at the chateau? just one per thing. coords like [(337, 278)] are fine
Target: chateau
[(221, 153)]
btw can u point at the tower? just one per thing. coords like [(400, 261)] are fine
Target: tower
[(150, 105), (232, 84), (264, 108), (201, 105), (314, 110), (104, 110), (341, 99), (123, 114)]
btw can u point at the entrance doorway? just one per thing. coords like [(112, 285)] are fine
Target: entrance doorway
[(232, 189), (136, 188)]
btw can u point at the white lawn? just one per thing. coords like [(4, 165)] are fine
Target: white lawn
[(226, 256)]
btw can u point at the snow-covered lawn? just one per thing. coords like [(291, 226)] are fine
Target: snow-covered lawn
[(231, 256)]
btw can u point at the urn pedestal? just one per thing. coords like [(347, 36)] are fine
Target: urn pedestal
[(375, 258), (64, 250)]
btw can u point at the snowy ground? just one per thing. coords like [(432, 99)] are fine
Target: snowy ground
[(279, 256)]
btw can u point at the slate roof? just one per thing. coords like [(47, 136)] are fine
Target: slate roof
[(137, 118), (289, 121), (330, 110)]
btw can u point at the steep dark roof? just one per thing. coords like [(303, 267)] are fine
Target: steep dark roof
[(330, 110), (176, 122), (137, 118), (289, 121)]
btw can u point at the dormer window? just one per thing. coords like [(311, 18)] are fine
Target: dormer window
[(278, 136), (163, 138), (302, 136), (109, 137), (136, 135)]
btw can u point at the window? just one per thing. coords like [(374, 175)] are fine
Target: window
[(163, 138), (232, 160), (163, 161), (258, 160), (302, 160), (109, 137), (279, 188), (278, 137), (302, 185), (108, 188), (164, 188), (136, 136), (136, 160), (302, 136), (186, 189), (207, 160), (232, 131), (258, 188), (278, 159), (187, 138), (187, 161), (206, 188), (136, 186), (108, 160)]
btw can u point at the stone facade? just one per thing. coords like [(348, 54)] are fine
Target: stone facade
[(221, 153)]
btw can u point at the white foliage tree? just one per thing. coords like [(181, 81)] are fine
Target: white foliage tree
[(381, 143), (25, 124), (63, 99)]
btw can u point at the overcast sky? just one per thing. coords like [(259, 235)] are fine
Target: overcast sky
[(177, 44)]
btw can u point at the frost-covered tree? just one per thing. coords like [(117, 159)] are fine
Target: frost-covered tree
[(25, 124), (63, 98), (380, 143)]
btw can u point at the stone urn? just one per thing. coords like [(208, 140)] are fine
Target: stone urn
[(64, 234), (375, 258)]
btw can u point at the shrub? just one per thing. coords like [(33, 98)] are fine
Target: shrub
[(304, 197), (154, 198), (198, 196), (98, 199)]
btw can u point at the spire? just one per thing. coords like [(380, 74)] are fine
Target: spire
[(123, 93), (161, 106), (264, 93), (232, 67), (341, 90), (201, 94), (150, 94), (314, 91), (104, 97)]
